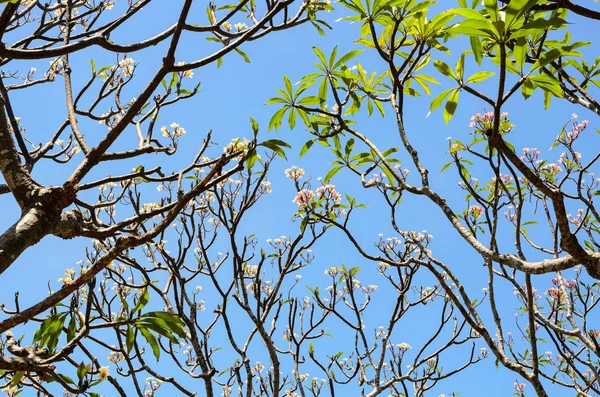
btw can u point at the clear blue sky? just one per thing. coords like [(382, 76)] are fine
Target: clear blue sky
[(237, 91)]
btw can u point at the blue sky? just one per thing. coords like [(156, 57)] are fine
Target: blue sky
[(237, 91)]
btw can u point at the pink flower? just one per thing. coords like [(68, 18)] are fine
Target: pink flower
[(328, 191), (476, 211), (303, 197)]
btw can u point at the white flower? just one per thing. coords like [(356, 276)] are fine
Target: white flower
[(103, 373)]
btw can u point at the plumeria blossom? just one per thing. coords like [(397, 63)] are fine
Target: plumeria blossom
[(484, 122), (127, 66), (236, 145), (328, 192), (186, 73), (530, 154), (475, 211), (294, 173), (551, 168), (304, 197), (174, 132), (103, 373)]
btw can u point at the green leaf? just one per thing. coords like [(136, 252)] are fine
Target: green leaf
[(469, 13), (443, 68), (310, 100), (520, 52), (451, 106), (142, 301), (476, 47), (174, 79), (151, 341), (480, 76), (275, 121), (460, 66), (306, 147), (288, 85), (527, 88), (81, 371), (304, 223), (320, 55), (275, 145), (251, 158), (537, 26), (254, 126), (16, 378), (243, 55), (345, 58), (332, 57), (130, 338), (390, 151), (437, 101), (323, 90), (159, 326), (349, 146), (175, 324), (275, 100), (550, 56), (332, 173), (446, 166), (548, 83), (71, 329), (474, 27), (292, 119), (547, 99), (516, 9), (50, 330), (492, 7)]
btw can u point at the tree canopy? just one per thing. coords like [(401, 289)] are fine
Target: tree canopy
[(379, 275)]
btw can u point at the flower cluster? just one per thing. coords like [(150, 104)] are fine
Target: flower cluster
[(475, 211), (151, 386), (402, 172), (149, 207), (401, 346), (115, 357), (11, 391), (294, 173), (236, 145), (69, 277), (127, 66), (56, 68), (567, 137), (329, 193), (103, 373), (530, 154), (484, 123), (559, 281), (551, 169), (176, 131), (265, 187), (258, 367), (579, 219), (303, 197)]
